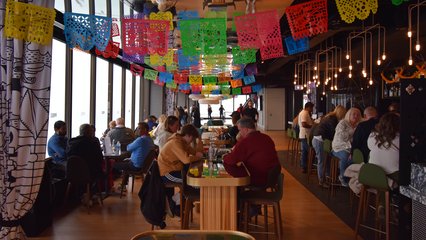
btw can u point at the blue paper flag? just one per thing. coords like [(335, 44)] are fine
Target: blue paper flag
[(256, 88), (165, 77), (238, 74), (186, 61), (298, 46), (249, 79), (184, 86)]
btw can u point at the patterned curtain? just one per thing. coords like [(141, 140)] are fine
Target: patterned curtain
[(24, 113)]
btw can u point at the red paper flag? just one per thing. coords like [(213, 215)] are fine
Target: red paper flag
[(136, 70), (247, 31), (268, 26), (247, 90)]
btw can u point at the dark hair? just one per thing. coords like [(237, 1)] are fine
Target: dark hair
[(246, 122), (171, 120), (387, 129), (58, 125), (309, 104), (143, 125), (190, 130)]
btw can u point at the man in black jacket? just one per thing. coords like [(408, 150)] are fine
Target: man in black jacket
[(363, 130)]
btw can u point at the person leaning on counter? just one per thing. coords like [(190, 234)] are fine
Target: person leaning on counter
[(256, 150)]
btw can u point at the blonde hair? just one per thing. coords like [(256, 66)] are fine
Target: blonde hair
[(162, 118), (350, 111), (340, 112)]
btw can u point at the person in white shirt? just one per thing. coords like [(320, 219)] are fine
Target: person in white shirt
[(305, 124)]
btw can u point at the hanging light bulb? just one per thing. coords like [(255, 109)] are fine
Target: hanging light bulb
[(340, 69), (417, 46), (350, 67), (379, 62), (347, 56), (294, 82), (363, 71), (409, 33), (335, 75), (304, 85), (370, 82), (331, 88), (410, 61), (335, 87), (309, 82), (315, 68), (350, 75), (383, 56), (323, 93), (364, 74)]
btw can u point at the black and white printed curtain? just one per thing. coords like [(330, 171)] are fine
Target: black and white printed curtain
[(24, 113)]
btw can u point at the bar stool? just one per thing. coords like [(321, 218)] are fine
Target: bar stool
[(190, 195), (374, 178), (290, 143), (357, 158), (311, 166), (174, 185), (295, 146)]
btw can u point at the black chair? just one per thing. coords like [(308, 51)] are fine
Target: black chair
[(190, 195), (147, 163), (78, 174)]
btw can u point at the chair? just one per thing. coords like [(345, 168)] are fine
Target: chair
[(290, 143), (146, 164), (357, 156), (295, 146), (332, 180), (269, 196), (190, 196), (174, 185), (78, 174), (374, 178)]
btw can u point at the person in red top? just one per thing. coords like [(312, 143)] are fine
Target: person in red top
[(256, 150)]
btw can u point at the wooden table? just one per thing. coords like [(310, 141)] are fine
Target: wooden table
[(191, 234), (218, 200)]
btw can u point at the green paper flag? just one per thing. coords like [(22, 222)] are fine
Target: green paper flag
[(236, 91), (243, 56), (150, 74)]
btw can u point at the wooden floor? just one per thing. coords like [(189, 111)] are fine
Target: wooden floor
[(304, 216)]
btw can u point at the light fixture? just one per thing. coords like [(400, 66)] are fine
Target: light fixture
[(410, 61), (350, 67), (340, 69), (350, 75), (409, 33), (335, 87), (370, 82), (335, 75), (347, 56), (417, 46), (379, 62)]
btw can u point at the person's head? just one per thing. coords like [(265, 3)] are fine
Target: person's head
[(309, 107), (235, 117), (87, 130), (60, 128), (340, 112), (152, 118), (387, 129), (370, 112), (162, 118), (189, 133), (241, 105), (120, 121), (353, 116), (143, 128), (171, 124), (112, 124), (246, 126), (393, 107), (250, 103)]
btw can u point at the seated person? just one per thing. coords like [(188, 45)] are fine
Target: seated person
[(171, 126), (56, 148), (256, 150), (383, 143), (176, 153), (363, 130), (87, 147), (139, 150), (121, 134)]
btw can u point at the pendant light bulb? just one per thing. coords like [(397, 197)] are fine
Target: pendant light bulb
[(409, 33), (315, 68), (379, 62), (384, 57), (364, 74), (335, 75), (350, 75), (410, 61), (335, 87), (417, 46), (350, 67), (295, 75), (347, 56), (370, 82), (323, 93), (294, 82), (340, 69)]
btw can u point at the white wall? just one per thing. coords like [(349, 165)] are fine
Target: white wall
[(156, 107), (273, 115)]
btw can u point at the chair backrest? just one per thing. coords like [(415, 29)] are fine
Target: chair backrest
[(357, 156), (148, 160), (279, 189), (374, 176), (295, 134), (326, 146), (77, 170), (289, 132)]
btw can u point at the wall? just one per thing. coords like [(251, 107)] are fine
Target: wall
[(273, 114), (156, 100)]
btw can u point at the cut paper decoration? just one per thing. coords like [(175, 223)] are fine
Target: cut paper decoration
[(150, 74), (186, 61), (215, 59), (236, 83), (115, 30), (235, 14), (224, 79), (297, 46), (237, 74), (210, 80), (308, 19), (216, 14), (167, 16), (247, 31), (196, 88), (256, 88), (181, 78), (165, 77), (111, 50), (29, 22), (349, 9), (158, 82), (86, 31), (160, 68), (157, 60), (191, 37), (398, 2), (195, 79), (144, 37), (185, 15), (184, 86), (251, 69), (247, 90), (171, 85), (136, 70), (136, 58), (236, 91), (268, 28), (216, 91), (243, 56), (225, 89), (214, 36), (249, 79)]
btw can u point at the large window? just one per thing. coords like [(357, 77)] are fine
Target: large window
[(126, 10), (81, 6), (101, 115), (115, 14), (80, 90), (137, 97), (116, 92), (100, 7), (59, 5), (128, 104), (57, 85)]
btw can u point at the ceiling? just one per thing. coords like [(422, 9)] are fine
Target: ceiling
[(279, 71)]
